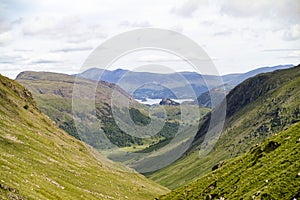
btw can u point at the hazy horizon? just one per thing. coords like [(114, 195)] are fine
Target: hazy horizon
[(145, 71)]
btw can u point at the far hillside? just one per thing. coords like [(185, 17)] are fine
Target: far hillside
[(53, 93), (218, 92), (181, 85), (256, 109)]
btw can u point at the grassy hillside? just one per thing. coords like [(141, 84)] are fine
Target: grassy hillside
[(268, 171), (40, 161), (256, 109), (53, 93)]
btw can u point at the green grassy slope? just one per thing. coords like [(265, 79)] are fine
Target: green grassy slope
[(40, 161), (270, 170), (256, 109), (53, 93)]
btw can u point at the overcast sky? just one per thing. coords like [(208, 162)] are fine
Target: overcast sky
[(58, 35)]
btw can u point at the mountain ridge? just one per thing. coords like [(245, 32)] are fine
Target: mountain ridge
[(133, 82), (218, 92), (251, 117), (54, 95)]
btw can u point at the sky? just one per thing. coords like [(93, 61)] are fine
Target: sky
[(58, 35)]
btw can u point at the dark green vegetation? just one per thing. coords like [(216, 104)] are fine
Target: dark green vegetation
[(164, 148), (111, 129), (256, 109), (138, 117), (168, 131), (53, 93), (270, 170), (164, 136), (40, 161)]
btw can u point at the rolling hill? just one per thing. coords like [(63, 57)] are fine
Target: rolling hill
[(40, 161), (256, 109)]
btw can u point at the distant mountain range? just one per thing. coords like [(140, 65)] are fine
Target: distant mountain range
[(181, 85), (254, 72)]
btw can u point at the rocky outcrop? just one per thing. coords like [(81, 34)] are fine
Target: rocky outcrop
[(169, 102)]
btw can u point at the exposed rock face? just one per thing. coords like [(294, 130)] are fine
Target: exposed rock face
[(169, 102)]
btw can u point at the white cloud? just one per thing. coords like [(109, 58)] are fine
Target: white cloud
[(46, 58), (17, 21), (69, 28), (136, 24), (293, 33), (48, 35), (4, 26), (6, 34), (280, 50), (152, 58), (49, 26), (72, 49), (293, 54), (6, 37), (11, 59), (283, 10), (177, 28), (188, 8), (223, 33)]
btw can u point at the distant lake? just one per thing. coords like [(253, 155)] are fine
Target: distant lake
[(156, 101)]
